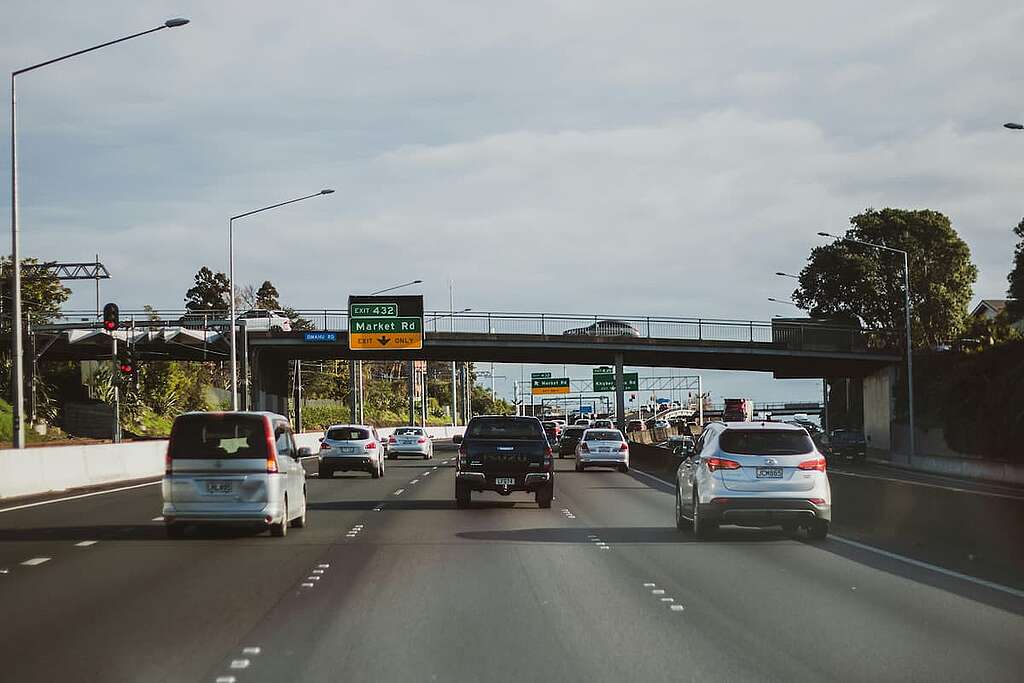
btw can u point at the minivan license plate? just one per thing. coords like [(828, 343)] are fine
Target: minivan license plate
[(218, 487), (769, 473), (505, 481)]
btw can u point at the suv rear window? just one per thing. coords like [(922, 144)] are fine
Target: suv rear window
[(409, 431), (347, 434), (765, 442), (218, 436), (504, 428)]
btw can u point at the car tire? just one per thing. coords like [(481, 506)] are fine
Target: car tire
[(818, 530), (463, 496), (623, 468), (544, 496), (300, 521), (175, 531), (682, 523), (702, 529), (281, 530)]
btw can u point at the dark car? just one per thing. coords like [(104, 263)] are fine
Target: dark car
[(846, 444), (504, 454), (570, 437), (552, 430)]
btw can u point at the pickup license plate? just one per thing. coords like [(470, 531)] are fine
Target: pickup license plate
[(769, 473), (505, 481), (219, 487)]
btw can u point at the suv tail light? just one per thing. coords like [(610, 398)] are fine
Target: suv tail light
[(324, 446), (816, 464), (392, 439), (721, 464), (549, 460), (421, 440), (584, 447), (370, 446), (623, 447)]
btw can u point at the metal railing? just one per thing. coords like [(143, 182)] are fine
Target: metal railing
[(781, 334)]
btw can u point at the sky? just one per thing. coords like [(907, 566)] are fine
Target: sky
[(641, 158)]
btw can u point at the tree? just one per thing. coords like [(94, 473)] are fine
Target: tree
[(842, 279), (42, 294), (1015, 307), (210, 292), (267, 296)]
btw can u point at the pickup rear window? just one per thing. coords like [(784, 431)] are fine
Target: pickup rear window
[(347, 434), (765, 442), (504, 428), (218, 436)]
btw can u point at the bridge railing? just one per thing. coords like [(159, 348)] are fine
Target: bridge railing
[(780, 334)]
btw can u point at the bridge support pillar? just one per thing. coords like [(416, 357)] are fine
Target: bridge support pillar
[(270, 383), (878, 408), (352, 391), (620, 395), (410, 369)]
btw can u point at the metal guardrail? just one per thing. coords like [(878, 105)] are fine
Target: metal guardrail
[(787, 335)]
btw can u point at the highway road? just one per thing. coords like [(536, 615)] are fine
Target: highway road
[(391, 583)]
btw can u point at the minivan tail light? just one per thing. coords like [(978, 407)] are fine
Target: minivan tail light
[(271, 447), (816, 464), (721, 464)]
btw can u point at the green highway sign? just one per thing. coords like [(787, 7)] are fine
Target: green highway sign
[(412, 325), (385, 322), (549, 385), (540, 375), (605, 381)]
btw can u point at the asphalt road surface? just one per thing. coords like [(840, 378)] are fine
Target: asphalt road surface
[(391, 583)]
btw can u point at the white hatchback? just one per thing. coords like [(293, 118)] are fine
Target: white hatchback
[(602, 448)]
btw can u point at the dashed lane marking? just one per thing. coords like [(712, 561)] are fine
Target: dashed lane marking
[(309, 584), (239, 663), (658, 591), (35, 561), (324, 565), (86, 544), (676, 608), (649, 585), (668, 599), (226, 679), (398, 492), (252, 650), (415, 481)]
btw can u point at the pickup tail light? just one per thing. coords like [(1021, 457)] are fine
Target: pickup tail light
[(168, 460), (816, 464), (370, 446), (721, 464), (549, 460)]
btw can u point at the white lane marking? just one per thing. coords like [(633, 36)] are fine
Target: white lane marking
[(324, 565), (86, 544), (902, 558), (676, 608), (649, 585), (81, 495), (668, 599), (657, 591), (226, 679), (312, 578), (157, 519), (398, 492), (5, 570), (35, 561), (415, 481), (308, 585), (239, 663), (252, 650), (925, 565), (318, 571)]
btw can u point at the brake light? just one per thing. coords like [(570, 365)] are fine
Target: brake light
[(817, 501), (168, 460), (721, 464), (370, 446), (271, 447), (421, 440), (549, 461), (623, 447), (584, 447), (324, 446), (392, 439), (816, 464)]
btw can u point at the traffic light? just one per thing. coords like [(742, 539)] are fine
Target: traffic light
[(126, 362), (111, 317)]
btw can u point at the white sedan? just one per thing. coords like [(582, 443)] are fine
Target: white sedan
[(410, 441)]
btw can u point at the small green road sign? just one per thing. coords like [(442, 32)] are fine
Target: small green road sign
[(397, 325), (604, 381), (392, 322), (549, 385), (540, 375)]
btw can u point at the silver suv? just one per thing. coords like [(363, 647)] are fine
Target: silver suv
[(344, 448), (754, 474), (234, 467)]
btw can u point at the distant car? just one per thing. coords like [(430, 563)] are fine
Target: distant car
[(635, 426), (233, 468), (602, 448), (846, 444), (344, 448), (661, 424), (570, 437), (583, 422), (603, 424), (552, 430), (754, 474), (410, 441), (605, 328), (259, 320)]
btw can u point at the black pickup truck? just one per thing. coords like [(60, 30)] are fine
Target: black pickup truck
[(504, 454)]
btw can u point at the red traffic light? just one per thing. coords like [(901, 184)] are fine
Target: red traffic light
[(109, 325), (127, 368), (111, 317)]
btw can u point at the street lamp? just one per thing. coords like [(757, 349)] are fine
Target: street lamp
[(231, 282), (781, 274), (906, 310), (18, 379), (390, 289), (1013, 126)]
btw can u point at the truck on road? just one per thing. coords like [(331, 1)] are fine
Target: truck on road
[(738, 410)]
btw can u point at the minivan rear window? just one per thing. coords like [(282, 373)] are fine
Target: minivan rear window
[(504, 428), (765, 442), (347, 434), (218, 436)]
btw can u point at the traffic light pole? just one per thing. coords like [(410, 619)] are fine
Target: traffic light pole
[(116, 381)]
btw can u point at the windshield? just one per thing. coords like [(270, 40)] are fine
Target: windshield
[(765, 442), (218, 436), (347, 434)]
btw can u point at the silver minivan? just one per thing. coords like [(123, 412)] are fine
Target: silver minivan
[(233, 468)]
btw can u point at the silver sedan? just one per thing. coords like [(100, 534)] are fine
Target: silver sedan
[(410, 441)]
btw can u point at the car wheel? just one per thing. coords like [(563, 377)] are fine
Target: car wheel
[(300, 521), (818, 530), (544, 496), (702, 529), (463, 496), (281, 530), (682, 523), (175, 531), (623, 468)]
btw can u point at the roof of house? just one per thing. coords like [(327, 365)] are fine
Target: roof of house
[(995, 305)]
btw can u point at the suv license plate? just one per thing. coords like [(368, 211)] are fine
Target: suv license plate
[(505, 481), (219, 487), (769, 473)]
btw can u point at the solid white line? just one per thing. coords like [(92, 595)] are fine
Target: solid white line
[(157, 519), (81, 495), (651, 476), (902, 558), (35, 561), (398, 492), (925, 565), (86, 544)]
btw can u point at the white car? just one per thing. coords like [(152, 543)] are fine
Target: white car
[(602, 448), (754, 474), (603, 424), (259, 320), (410, 441), (344, 448)]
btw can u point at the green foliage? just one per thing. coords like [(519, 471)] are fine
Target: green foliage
[(267, 296), (211, 292), (483, 405), (844, 279), (986, 332), (1015, 307), (41, 295)]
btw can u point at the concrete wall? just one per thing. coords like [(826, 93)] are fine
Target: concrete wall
[(878, 408)]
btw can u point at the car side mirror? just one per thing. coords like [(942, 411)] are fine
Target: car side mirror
[(457, 438), (305, 452)]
